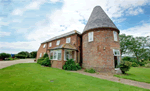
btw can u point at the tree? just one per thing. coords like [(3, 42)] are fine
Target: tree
[(4, 55), (23, 53), (139, 46), (33, 54), (125, 41)]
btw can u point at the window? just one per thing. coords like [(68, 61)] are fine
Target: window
[(68, 54), (116, 52), (44, 45), (58, 42), (115, 36), (55, 55), (50, 44), (68, 40), (40, 54), (90, 36)]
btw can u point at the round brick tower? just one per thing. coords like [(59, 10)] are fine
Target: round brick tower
[(100, 42)]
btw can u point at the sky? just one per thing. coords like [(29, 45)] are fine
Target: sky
[(24, 24)]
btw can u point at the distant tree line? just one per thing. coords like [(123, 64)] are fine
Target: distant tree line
[(22, 54), (138, 47)]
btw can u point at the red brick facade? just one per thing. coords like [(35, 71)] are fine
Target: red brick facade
[(98, 54), (75, 41)]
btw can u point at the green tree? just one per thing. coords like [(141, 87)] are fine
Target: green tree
[(33, 54), (25, 53), (4, 55), (125, 42)]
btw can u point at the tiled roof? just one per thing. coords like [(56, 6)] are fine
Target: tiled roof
[(65, 46), (63, 35), (99, 19)]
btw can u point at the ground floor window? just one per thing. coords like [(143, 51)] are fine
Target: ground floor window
[(69, 54), (55, 54), (116, 57)]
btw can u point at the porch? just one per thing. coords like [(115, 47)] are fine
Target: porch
[(60, 54)]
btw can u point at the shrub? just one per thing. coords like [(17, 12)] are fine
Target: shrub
[(126, 58), (70, 65), (134, 64), (20, 56), (40, 60), (147, 65), (46, 62), (90, 70), (142, 63), (45, 55), (125, 66)]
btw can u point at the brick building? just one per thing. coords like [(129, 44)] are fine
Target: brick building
[(97, 47)]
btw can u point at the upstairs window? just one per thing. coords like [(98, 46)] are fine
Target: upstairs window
[(90, 36), (44, 45), (50, 44), (68, 40), (116, 52), (40, 54), (115, 36), (58, 42)]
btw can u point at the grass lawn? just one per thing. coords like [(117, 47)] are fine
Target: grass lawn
[(137, 74), (33, 77)]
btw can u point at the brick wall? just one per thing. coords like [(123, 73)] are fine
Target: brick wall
[(98, 54), (75, 40)]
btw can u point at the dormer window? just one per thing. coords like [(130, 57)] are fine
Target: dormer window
[(68, 40), (90, 36), (50, 44), (58, 42), (44, 45), (115, 36)]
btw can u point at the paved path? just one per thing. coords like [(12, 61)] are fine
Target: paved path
[(115, 79), (4, 64)]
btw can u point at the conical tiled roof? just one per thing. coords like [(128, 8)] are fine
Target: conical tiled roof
[(99, 19)]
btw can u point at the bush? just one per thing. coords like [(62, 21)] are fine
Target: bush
[(45, 55), (134, 64), (46, 62), (90, 70), (147, 65), (125, 66), (142, 63), (126, 58), (70, 65), (20, 56), (40, 60)]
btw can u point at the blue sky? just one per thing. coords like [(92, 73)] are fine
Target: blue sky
[(24, 24)]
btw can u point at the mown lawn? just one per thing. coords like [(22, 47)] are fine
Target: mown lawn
[(137, 74), (33, 77)]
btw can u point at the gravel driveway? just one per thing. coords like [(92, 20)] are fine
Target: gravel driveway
[(4, 64)]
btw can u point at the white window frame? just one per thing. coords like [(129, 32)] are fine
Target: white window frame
[(40, 54), (58, 42), (116, 52), (70, 55), (68, 40), (50, 44), (90, 36), (57, 52), (44, 45), (115, 36)]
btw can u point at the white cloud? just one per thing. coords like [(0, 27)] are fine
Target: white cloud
[(20, 46), (3, 34), (141, 30), (68, 17), (73, 11)]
